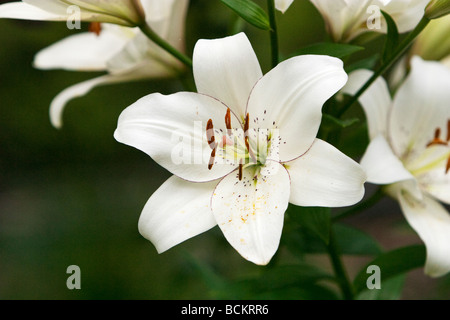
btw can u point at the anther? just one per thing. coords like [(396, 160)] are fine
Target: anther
[(437, 139), (210, 134), (246, 124), (240, 170), (228, 121), (447, 168), (95, 27), (211, 159), (448, 130)]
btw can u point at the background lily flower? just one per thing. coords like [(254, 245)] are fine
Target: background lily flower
[(126, 54), (409, 151), (283, 5), (122, 12), (346, 19), (256, 150)]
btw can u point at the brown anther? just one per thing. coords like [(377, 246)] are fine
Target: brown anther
[(246, 124), (240, 170), (437, 139), (447, 168), (210, 134), (448, 130), (95, 27), (211, 159), (228, 121)]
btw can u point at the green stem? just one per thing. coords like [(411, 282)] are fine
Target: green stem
[(339, 270), (145, 28), (273, 33), (369, 202), (401, 49)]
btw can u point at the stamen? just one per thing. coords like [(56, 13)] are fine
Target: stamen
[(228, 121), (437, 139), (447, 168), (246, 124), (211, 159), (240, 170), (95, 27), (448, 130), (210, 134)]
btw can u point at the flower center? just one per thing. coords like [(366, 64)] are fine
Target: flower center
[(243, 148), (437, 152), (437, 141)]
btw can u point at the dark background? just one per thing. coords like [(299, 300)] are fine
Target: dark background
[(73, 196)]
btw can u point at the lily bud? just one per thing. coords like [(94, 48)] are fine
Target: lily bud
[(434, 43), (437, 9)]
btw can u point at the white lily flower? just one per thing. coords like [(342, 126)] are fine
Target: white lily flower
[(410, 151), (346, 19), (241, 148), (283, 5), (126, 54), (122, 12)]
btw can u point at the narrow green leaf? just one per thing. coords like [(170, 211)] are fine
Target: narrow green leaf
[(250, 12), (315, 219), (330, 122), (392, 264), (391, 289), (338, 50), (350, 241), (366, 63), (392, 37)]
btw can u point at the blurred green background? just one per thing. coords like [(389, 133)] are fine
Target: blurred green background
[(73, 196)]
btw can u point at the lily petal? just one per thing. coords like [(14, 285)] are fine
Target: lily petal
[(226, 69), (172, 130), (424, 98), (250, 212), (80, 89), (84, 51), (290, 97), (177, 211), (437, 183), (283, 5), (25, 11), (406, 13), (432, 223), (382, 165), (325, 177), (376, 100)]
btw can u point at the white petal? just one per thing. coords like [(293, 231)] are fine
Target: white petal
[(250, 212), (24, 11), (432, 223), (376, 100), (81, 52), (59, 102), (226, 69), (290, 97), (325, 177), (406, 13), (420, 107), (437, 183), (382, 165), (283, 5), (345, 19), (177, 211), (172, 130), (121, 12)]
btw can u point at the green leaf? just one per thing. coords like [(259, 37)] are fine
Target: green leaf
[(392, 264), (330, 122), (392, 37), (284, 282), (250, 12), (350, 241), (315, 219), (368, 63), (391, 289), (338, 50)]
